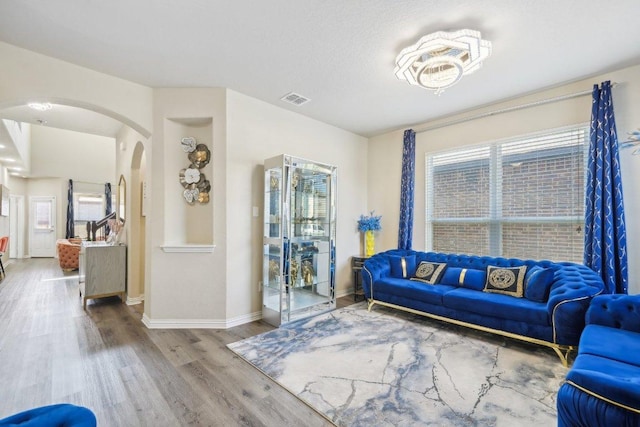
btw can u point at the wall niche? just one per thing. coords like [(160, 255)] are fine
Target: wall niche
[(188, 220)]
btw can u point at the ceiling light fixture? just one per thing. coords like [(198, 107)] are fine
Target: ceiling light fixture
[(40, 106), (439, 60)]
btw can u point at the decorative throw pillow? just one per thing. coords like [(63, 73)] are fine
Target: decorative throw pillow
[(537, 283), (429, 272), (403, 267), (464, 277), (505, 280)]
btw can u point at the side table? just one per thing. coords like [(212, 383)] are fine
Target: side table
[(356, 267)]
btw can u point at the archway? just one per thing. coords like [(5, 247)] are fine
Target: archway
[(130, 163)]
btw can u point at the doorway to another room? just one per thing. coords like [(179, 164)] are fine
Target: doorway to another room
[(42, 226)]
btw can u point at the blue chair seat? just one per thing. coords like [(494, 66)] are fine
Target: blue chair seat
[(617, 381), (60, 415)]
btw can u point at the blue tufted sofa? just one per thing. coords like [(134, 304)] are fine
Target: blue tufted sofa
[(603, 386), (555, 319)]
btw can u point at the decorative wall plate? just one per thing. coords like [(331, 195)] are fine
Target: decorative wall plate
[(204, 184), (200, 157), (203, 197), (196, 186), (192, 175), (188, 144), (191, 195)]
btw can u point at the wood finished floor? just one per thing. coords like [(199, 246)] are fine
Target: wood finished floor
[(104, 358)]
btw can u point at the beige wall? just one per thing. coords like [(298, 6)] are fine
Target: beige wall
[(384, 175), (28, 76), (72, 155), (186, 287), (257, 131)]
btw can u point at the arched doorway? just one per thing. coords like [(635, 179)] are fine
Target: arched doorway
[(129, 163)]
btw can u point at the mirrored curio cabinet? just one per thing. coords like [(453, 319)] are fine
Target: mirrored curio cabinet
[(299, 239)]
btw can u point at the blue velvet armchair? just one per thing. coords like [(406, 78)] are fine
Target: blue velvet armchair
[(603, 386)]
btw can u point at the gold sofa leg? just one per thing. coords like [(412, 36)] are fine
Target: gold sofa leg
[(563, 354)]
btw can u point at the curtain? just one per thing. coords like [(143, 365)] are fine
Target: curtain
[(108, 208), (69, 233), (605, 248), (407, 188)]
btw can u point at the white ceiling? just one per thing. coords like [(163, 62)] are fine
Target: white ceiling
[(338, 53)]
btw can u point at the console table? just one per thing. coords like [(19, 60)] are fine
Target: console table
[(102, 271)]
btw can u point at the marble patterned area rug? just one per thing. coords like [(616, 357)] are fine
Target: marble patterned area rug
[(390, 368)]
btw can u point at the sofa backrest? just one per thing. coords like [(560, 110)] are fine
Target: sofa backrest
[(566, 274), (615, 311)]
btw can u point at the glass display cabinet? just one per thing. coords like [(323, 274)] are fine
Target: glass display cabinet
[(299, 239)]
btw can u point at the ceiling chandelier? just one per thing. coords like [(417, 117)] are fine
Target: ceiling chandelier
[(439, 60)]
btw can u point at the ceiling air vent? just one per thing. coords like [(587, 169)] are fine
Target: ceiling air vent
[(295, 99)]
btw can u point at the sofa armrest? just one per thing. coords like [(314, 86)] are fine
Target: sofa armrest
[(573, 289), (374, 268), (615, 311), (378, 267)]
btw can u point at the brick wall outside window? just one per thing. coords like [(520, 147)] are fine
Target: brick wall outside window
[(539, 213)]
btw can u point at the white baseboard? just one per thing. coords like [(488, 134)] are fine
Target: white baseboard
[(200, 323), (209, 323), (135, 301), (245, 318)]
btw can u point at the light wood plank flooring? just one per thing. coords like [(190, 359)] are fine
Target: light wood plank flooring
[(104, 358)]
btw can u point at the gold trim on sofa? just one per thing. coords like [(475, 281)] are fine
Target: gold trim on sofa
[(605, 399), (553, 315), (562, 351)]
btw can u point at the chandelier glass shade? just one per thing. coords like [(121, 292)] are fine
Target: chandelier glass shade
[(439, 60)]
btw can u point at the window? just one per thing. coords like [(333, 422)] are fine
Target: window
[(522, 198), (87, 207)]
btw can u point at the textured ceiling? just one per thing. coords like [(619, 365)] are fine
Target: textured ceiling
[(338, 53)]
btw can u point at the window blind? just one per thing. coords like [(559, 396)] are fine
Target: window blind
[(522, 197)]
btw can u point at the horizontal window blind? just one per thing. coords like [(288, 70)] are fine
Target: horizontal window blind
[(518, 198)]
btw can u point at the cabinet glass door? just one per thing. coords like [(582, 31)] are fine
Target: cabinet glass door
[(299, 240)]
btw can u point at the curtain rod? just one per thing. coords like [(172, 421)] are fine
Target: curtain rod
[(508, 109)]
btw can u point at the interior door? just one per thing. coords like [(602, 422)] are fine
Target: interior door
[(42, 225)]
